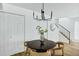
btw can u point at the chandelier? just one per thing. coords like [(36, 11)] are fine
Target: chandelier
[(42, 17)]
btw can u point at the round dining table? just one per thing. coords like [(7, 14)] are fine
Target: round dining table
[(41, 46)]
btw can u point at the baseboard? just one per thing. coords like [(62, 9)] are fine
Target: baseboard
[(74, 40), (18, 53)]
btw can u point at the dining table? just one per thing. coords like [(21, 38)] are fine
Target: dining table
[(41, 46)]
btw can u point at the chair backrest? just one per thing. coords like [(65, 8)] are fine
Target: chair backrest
[(25, 43), (60, 44)]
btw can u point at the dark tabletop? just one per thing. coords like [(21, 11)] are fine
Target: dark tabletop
[(41, 46)]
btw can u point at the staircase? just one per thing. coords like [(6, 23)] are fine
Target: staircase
[(72, 48), (63, 31)]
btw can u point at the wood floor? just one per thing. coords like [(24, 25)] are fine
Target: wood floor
[(69, 50), (72, 49)]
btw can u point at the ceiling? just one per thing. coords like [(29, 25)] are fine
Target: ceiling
[(31, 6), (34, 6), (59, 9)]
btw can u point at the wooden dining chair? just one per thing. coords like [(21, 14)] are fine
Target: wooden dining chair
[(27, 50), (59, 46)]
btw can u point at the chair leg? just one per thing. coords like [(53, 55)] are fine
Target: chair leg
[(49, 52), (27, 52), (52, 54), (62, 52)]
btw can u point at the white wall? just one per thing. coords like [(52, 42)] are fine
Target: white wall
[(76, 31), (0, 6), (53, 35)]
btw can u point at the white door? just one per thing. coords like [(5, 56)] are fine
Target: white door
[(13, 34)]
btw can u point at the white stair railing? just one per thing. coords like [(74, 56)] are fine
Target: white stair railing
[(65, 32)]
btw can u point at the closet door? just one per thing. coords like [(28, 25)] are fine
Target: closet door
[(1, 34), (13, 41)]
